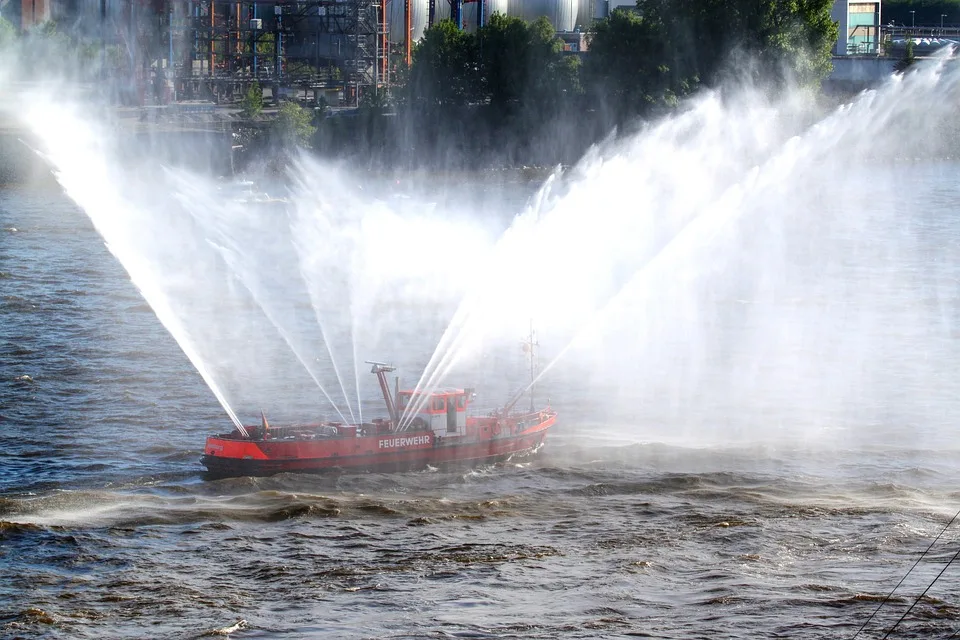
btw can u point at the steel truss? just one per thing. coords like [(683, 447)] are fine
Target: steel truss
[(218, 49)]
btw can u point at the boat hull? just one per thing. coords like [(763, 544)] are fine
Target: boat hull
[(489, 441)]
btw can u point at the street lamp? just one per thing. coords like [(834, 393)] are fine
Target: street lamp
[(913, 19), (942, 16)]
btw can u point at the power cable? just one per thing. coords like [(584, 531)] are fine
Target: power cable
[(889, 595), (955, 556)]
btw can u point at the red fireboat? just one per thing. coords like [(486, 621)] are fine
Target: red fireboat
[(435, 432)]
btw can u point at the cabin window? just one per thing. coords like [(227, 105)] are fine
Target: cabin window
[(439, 404), (461, 402)]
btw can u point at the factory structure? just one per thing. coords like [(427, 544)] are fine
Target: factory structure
[(334, 50), (337, 50), (859, 27)]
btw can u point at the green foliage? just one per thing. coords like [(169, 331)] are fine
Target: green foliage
[(252, 103), (375, 100), (523, 63), (510, 88), (508, 64), (627, 66), (886, 45), (320, 107), (293, 125), (265, 43), (46, 49), (786, 40), (298, 68), (8, 34), (908, 59), (647, 59), (444, 70)]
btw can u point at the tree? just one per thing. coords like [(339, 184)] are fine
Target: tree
[(44, 48), (264, 43), (8, 34), (293, 125), (627, 65), (297, 68), (785, 40), (908, 59), (559, 73), (444, 70), (375, 100), (252, 103), (523, 64), (504, 59), (507, 62)]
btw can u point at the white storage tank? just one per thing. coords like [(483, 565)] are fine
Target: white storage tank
[(584, 14), (418, 18), (490, 7), (441, 11), (561, 13)]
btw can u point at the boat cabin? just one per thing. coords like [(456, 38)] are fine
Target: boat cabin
[(444, 411)]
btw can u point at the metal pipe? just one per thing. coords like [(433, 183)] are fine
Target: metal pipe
[(171, 73), (408, 29), (278, 17), (213, 35), (381, 370), (384, 47), (195, 14), (170, 34), (103, 38)]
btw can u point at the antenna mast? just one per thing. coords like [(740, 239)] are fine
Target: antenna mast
[(529, 346)]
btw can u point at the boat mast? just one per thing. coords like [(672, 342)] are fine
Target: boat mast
[(529, 345)]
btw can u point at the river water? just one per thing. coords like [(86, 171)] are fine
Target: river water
[(759, 442)]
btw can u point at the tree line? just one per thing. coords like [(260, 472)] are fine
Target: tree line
[(638, 59), (509, 93)]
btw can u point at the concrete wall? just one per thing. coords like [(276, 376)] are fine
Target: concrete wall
[(852, 73)]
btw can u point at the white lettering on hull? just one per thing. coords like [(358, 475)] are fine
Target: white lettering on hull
[(400, 443)]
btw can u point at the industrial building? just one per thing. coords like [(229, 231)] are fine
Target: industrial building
[(331, 49), (24, 14), (859, 24), (336, 50)]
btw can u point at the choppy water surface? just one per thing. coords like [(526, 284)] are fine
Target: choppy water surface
[(107, 530), (747, 316)]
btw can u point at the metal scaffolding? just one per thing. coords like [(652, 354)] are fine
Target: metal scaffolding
[(217, 49)]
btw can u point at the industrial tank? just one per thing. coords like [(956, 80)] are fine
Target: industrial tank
[(561, 13), (441, 10), (584, 14), (490, 7), (418, 18)]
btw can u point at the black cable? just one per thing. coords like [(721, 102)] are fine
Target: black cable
[(889, 595), (955, 556)]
